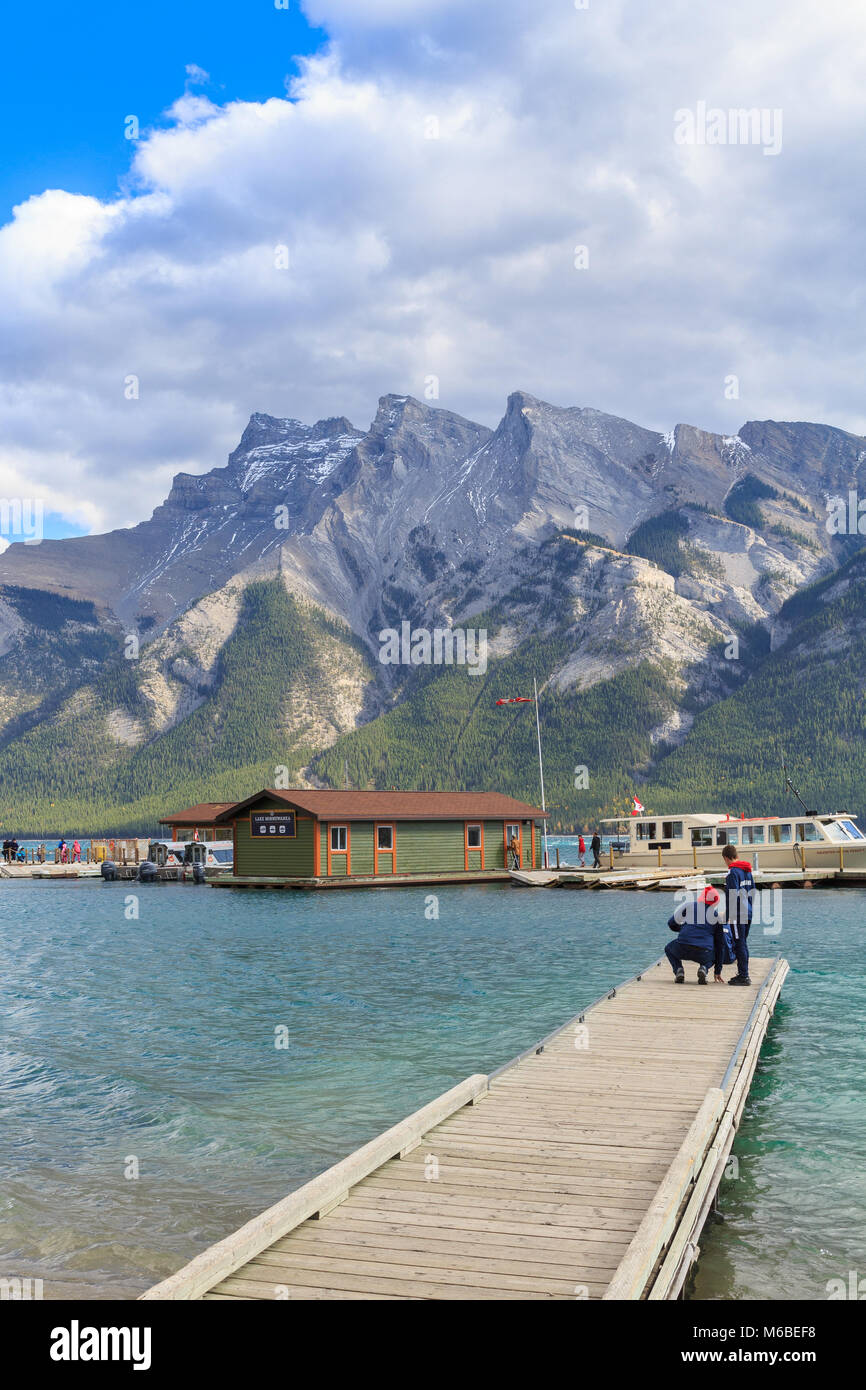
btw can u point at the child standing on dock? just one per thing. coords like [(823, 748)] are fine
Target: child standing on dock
[(699, 924), (740, 893)]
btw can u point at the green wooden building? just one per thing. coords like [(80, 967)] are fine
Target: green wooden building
[(326, 835)]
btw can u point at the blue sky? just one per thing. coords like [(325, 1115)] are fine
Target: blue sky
[(72, 73)]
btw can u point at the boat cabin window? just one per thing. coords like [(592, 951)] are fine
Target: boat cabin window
[(727, 835), (836, 833), (672, 830), (384, 837), (222, 856), (339, 838), (753, 834), (842, 832), (780, 834), (473, 837), (702, 835), (646, 830), (807, 830)]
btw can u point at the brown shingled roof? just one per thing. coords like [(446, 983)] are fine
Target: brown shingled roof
[(342, 805), (205, 813)]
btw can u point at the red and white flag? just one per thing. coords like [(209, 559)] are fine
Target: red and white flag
[(638, 807), (516, 700)]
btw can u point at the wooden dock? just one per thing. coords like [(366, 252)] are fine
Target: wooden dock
[(673, 879), (262, 881), (585, 1168)]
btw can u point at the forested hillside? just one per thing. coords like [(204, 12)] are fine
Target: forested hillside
[(67, 776), (687, 611)]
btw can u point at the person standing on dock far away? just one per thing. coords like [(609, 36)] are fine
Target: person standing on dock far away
[(595, 846), (63, 851), (699, 922), (76, 852), (514, 847), (740, 893), (581, 851)]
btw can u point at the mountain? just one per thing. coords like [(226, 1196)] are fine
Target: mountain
[(678, 596)]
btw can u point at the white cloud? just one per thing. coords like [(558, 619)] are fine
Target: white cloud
[(451, 256), (196, 76)]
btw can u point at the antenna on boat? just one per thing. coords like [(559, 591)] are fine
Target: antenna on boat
[(789, 786)]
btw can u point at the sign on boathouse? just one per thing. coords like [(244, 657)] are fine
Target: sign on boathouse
[(273, 823)]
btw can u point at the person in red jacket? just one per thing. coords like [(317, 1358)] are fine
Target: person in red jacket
[(740, 895), (698, 922)]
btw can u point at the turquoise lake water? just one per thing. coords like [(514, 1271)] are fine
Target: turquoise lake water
[(153, 1040)]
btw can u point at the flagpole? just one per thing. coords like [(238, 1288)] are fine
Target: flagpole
[(540, 769)]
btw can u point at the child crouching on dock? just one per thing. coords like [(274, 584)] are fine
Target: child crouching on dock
[(700, 925)]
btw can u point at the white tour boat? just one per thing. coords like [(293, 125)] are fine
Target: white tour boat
[(805, 841)]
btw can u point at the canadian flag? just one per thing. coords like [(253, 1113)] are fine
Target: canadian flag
[(195, 832), (638, 807)]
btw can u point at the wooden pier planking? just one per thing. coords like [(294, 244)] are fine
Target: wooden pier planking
[(576, 1171)]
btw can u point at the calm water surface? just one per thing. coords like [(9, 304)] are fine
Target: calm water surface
[(152, 1042)]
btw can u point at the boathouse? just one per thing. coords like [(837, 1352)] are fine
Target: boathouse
[(197, 822), (301, 835)]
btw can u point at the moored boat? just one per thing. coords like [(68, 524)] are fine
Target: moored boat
[(806, 841), (213, 854)]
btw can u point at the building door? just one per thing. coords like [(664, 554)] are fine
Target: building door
[(384, 848), (339, 850), (513, 832), (473, 845)]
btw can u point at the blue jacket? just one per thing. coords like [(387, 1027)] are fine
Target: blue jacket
[(700, 920), (740, 893)]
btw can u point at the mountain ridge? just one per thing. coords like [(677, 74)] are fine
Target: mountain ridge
[(626, 548)]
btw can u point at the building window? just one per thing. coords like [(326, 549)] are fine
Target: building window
[(385, 837), (473, 837), (672, 830), (339, 839), (646, 829)]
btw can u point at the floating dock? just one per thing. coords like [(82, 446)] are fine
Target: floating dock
[(126, 873), (37, 870), (584, 1168), (362, 880), (673, 879)]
